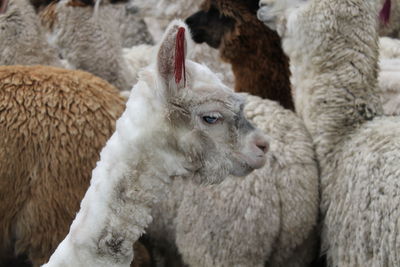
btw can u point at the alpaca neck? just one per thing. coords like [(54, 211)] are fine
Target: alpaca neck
[(127, 181), (334, 72), (258, 62)]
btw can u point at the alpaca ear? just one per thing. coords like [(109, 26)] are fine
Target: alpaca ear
[(171, 56), (3, 6)]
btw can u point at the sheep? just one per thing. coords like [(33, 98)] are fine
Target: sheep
[(158, 13), (22, 39), (180, 121), (333, 50), (81, 37), (53, 123), (254, 51)]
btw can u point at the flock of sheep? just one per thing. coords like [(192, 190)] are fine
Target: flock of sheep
[(315, 141)]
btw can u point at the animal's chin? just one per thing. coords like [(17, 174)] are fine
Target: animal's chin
[(266, 18), (244, 164)]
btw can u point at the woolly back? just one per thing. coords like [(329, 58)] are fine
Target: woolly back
[(53, 124)]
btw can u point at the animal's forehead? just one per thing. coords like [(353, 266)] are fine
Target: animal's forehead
[(207, 87), (213, 97)]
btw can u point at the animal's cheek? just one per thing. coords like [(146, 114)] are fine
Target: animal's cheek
[(196, 144)]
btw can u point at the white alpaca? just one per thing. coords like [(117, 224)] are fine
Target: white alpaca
[(389, 49), (270, 10), (180, 121), (333, 49), (267, 217)]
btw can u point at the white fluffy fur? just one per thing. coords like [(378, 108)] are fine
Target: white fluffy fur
[(389, 48), (269, 216), (120, 160), (138, 57)]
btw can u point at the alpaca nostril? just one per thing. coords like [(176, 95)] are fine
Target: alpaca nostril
[(262, 145)]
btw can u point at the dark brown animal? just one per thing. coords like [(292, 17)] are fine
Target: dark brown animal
[(258, 62), (53, 124)]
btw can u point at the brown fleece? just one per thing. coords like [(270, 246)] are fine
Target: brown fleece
[(53, 124), (258, 62)]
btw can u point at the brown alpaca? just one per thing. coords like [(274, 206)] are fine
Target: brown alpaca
[(258, 62), (53, 123)]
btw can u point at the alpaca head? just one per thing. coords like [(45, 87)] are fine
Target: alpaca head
[(219, 18), (200, 119)]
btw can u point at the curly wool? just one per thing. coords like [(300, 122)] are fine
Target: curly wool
[(53, 124)]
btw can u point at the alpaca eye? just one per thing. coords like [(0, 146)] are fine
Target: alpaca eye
[(210, 119)]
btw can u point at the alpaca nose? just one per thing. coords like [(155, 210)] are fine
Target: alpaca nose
[(262, 143)]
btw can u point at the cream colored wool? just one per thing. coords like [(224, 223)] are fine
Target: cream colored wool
[(132, 28), (267, 217), (87, 41), (389, 75), (334, 63), (22, 40)]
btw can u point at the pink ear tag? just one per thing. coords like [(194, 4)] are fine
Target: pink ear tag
[(384, 15), (180, 57)]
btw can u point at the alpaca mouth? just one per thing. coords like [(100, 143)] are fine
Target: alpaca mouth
[(244, 164)]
